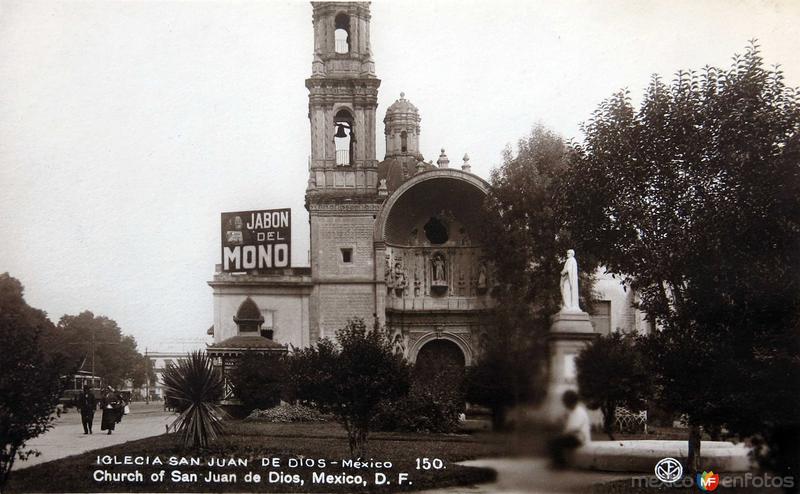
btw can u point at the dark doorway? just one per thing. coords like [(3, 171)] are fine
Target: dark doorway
[(440, 367)]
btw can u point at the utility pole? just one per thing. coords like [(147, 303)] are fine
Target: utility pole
[(94, 344), (146, 376), (93, 347)]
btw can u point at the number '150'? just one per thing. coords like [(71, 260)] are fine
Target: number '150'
[(430, 464)]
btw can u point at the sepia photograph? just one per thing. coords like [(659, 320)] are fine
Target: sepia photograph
[(400, 246)]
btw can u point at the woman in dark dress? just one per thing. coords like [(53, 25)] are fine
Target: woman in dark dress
[(113, 406)]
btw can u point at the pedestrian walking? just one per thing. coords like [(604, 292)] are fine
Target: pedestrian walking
[(87, 404), (113, 408)]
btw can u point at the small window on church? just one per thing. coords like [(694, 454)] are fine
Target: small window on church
[(347, 255), (341, 34), (403, 142), (436, 231)]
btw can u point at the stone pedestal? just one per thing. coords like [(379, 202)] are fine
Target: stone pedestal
[(570, 332)]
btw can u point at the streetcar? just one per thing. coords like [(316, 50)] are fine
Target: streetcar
[(73, 387)]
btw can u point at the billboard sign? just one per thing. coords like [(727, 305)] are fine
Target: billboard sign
[(256, 240)]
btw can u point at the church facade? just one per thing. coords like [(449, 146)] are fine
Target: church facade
[(393, 241)]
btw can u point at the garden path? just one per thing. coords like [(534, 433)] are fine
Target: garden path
[(67, 438)]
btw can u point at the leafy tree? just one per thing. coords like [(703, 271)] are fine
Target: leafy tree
[(433, 403), (312, 376), (498, 382), (196, 385), (143, 370), (526, 236), (116, 357), (612, 373), (694, 199), (29, 379), (352, 379), (259, 380)]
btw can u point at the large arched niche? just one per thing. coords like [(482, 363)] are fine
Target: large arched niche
[(448, 196)]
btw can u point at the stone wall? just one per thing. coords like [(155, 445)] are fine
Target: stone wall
[(285, 294), (623, 316), (339, 302), (343, 290)]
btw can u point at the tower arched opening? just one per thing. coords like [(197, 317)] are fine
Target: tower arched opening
[(344, 137), (341, 33)]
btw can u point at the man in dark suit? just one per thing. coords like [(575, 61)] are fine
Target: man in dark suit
[(87, 404)]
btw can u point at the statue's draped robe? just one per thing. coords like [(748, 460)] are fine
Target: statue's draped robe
[(569, 285)]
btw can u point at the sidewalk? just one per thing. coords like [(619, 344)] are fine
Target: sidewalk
[(67, 437), (529, 476)]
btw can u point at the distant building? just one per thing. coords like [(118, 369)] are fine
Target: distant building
[(159, 362)]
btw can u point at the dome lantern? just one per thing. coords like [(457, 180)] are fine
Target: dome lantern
[(401, 127)]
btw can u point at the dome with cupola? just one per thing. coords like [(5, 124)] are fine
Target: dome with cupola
[(402, 106)]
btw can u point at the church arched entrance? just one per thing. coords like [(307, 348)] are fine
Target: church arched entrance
[(440, 366)]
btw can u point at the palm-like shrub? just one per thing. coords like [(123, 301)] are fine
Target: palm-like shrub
[(195, 385)]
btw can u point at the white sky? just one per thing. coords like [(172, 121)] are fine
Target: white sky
[(126, 127)]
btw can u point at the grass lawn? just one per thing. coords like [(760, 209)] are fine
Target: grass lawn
[(256, 440)]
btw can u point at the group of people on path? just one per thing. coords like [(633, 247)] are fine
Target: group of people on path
[(112, 404)]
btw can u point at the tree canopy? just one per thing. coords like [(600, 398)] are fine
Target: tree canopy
[(29, 378), (259, 380), (693, 198), (526, 236), (352, 378), (116, 357), (612, 373)]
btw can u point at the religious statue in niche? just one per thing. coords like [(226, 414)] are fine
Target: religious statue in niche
[(417, 281), (439, 272), (483, 283), (387, 274), (438, 268), (400, 281)]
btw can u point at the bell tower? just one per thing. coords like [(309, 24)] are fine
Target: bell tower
[(343, 96), (342, 194)]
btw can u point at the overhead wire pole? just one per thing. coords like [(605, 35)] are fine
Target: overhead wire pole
[(94, 346), (146, 376), (92, 355)]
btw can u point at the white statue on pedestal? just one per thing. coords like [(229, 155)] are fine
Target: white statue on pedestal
[(569, 284)]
